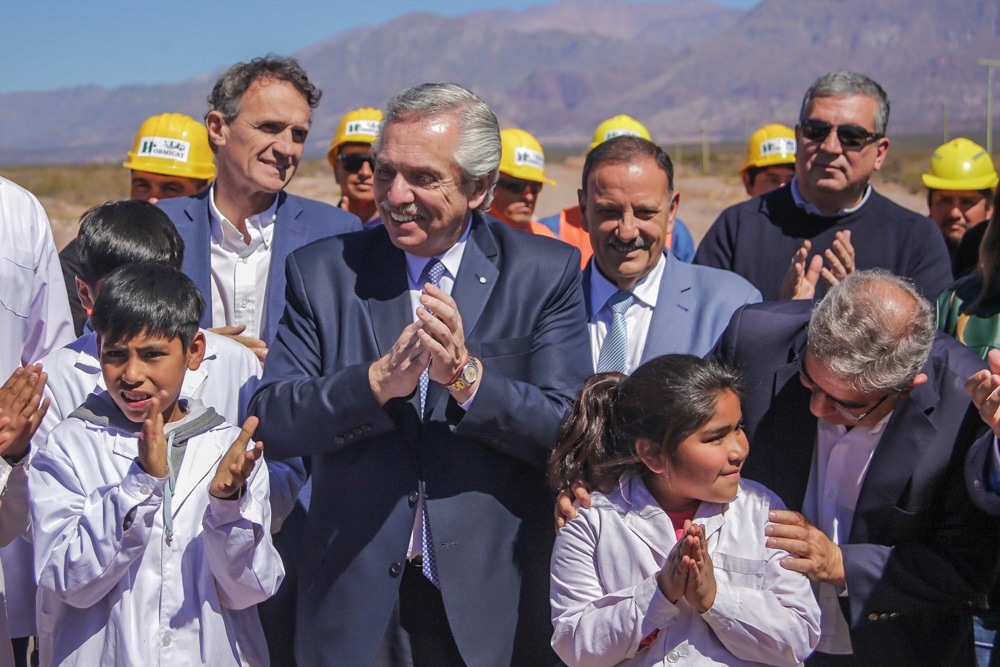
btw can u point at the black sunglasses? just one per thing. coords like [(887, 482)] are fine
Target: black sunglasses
[(516, 186), (351, 162), (849, 136)]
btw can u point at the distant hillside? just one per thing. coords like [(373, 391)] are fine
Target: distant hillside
[(560, 69)]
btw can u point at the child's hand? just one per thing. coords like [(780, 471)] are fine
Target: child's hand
[(21, 409), (237, 464), (153, 444), (673, 578), (700, 591)]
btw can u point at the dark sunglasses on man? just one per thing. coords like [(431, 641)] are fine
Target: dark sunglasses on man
[(849, 136), (516, 186), (351, 162)]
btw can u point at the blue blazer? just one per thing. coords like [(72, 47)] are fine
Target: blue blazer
[(490, 511), (299, 221), (918, 548), (693, 307)]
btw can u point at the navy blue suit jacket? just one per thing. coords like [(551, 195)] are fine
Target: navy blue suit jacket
[(490, 512), (298, 221), (693, 307), (918, 548)]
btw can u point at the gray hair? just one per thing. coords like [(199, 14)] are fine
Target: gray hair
[(873, 330), (849, 84), (478, 152), (228, 92)]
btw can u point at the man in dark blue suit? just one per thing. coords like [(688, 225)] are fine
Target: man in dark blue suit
[(239, 231), (628, 206), (426, 366), (859, 420)]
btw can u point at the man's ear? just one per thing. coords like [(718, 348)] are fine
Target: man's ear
[(477, 191), (196, 351), (86, 294), (217, 128)]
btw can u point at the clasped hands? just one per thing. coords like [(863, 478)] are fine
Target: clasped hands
[(436, 338), (21, 410), (803, 273), (688, 572)]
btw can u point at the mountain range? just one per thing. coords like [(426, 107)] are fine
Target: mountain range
[(681, 67)]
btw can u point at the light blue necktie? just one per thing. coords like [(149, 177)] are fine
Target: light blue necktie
[(614, 351), (434, 270)]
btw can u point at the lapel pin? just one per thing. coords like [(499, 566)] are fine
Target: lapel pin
[(482, 280)]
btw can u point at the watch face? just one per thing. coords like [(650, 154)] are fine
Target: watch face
[(470, 373)]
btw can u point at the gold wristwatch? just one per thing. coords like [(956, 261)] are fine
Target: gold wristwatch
[(466, 375)]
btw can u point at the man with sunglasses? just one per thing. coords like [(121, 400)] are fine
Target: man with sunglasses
[(860, 422), (522, 175), (829, 221), (350, 155)]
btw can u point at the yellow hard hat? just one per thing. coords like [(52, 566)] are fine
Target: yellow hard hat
[(961, 165), (619, 126), (172, 144), (522, 156), (770, 145), (358, 126)]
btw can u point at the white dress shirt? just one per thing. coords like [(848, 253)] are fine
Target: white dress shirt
[(240, 269), (416, 279), (839, 466), (637, 317), (605, 599)]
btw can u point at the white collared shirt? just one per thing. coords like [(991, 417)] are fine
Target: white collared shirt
[(637, 317), (839, 466), (811, 208), (240, 269)]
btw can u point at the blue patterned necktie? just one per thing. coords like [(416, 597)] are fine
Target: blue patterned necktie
[(434, 270), (614, 350)]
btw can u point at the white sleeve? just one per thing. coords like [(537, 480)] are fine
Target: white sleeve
[(86, 541), (14, 504), (246, 566), (593, 628), (777, 623)]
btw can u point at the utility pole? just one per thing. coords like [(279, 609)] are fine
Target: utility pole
[(990, 64), (944, 105)]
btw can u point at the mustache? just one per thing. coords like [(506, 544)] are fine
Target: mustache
[(627, 246), (405, 210)]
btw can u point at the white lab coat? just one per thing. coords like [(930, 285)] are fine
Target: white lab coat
[(111, 595), (605, 599)]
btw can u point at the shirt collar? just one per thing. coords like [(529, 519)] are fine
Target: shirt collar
[(451, 258), (645, 291), (811, 208), (224, 232)]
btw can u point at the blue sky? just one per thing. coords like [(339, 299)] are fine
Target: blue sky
[(51, 44)]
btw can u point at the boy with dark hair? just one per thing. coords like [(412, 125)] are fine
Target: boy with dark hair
[(137, 548)]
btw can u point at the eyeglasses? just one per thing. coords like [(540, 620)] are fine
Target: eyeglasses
[(516, 186), (351, 162), (840, 406), (849, 136)]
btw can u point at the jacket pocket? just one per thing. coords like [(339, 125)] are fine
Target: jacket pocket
[(739, 571), (17, 274)]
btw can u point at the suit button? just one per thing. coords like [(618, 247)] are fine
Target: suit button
[(413, 497), (978, 485), (338, 440), (366, 427), (395, 569), (872, 617)]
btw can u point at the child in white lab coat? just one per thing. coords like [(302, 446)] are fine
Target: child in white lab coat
[(671, 564), (150, 516)]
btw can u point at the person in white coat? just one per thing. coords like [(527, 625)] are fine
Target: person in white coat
[(672, 564), (34, 320), (150, 550)]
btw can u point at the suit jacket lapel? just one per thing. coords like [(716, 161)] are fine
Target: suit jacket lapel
[(383, 285), (476, 279), (672, 315), (899, 450), (289, 233)]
